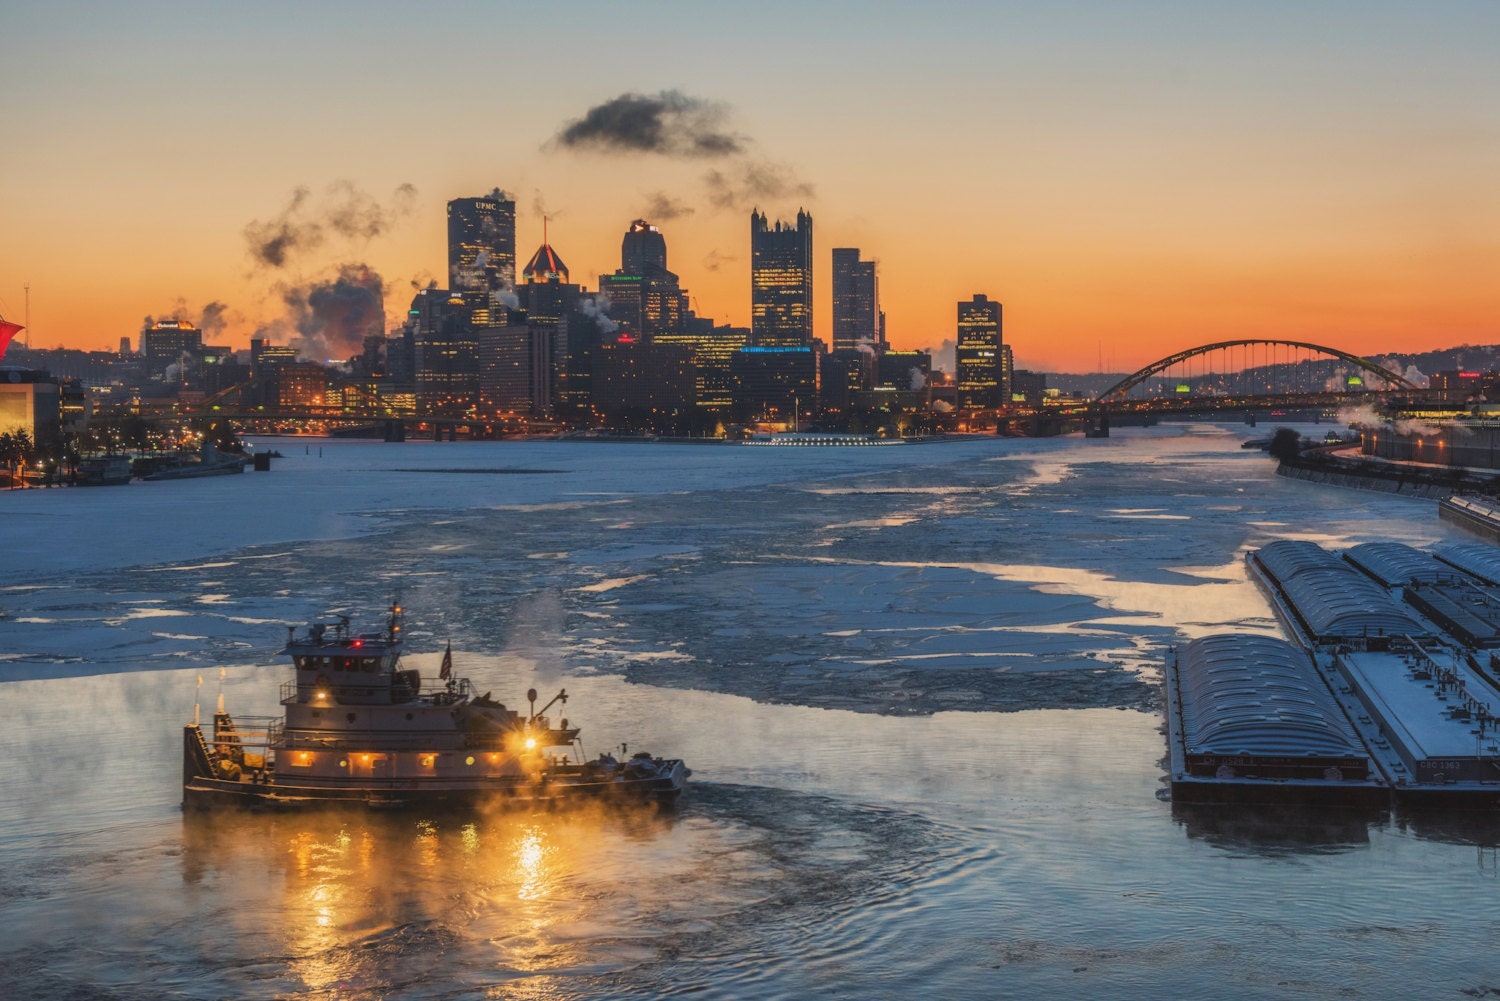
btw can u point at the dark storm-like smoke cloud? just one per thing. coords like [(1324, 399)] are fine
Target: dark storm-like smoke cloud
[(676, 125), (343, 211), (212, 319), (332, 317), (670, 123)]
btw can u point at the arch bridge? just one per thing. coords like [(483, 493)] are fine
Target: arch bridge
[(1250, 359)]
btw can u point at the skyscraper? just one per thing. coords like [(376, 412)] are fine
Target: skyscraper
[(978, 355), (482, 243), (644, 296), (643, 249), (856, 302), (781, 282)]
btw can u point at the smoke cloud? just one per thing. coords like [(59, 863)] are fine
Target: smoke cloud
[(332, 318), (943, 356), (212, 319), (677, 125), (664, 208), (422, 280), (670, 123), (752, 182), (343, 211), (597, 309), (918, 380), (713, 260)]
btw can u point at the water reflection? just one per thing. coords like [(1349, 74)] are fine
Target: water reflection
[(1454, 827), (1277, 831), (343, 896)]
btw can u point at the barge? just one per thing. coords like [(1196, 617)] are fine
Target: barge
[(1249, 720), (1391, 688)]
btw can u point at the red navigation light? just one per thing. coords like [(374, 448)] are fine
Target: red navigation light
[(357, 643)]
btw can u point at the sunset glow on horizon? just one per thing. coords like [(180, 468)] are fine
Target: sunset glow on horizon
[(1128, 179)]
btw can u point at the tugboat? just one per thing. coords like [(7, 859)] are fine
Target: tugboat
[(358, 729)]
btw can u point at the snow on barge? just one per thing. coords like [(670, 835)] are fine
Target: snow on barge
[(1395, 650), (359, 729)]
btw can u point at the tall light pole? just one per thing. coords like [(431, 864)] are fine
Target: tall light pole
[(28, 315)]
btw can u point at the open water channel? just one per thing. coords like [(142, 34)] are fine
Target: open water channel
[(918, 687)]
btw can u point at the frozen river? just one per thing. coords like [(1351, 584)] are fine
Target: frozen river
[(918, 687)]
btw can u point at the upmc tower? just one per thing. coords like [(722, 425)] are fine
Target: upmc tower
[(781, 282), (482, 243)]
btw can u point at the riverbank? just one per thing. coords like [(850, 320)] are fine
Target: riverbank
[(1408, 479)]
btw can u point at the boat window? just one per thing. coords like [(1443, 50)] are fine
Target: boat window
[(369, 665)]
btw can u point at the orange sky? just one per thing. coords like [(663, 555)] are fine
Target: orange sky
[(1127, 182)]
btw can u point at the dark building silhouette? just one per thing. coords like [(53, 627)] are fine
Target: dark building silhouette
[(643, 385), (482, 243), (781, 282), (1028, 387), (446, 350), (772, 383), (977, 355), (516, 369), (857, 317), (905, 371), (171, 342), (713, 349)]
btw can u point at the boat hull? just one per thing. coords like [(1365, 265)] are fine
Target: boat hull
[(203, 790)]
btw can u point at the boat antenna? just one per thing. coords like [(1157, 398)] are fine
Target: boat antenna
[(197, 693), (393, 620)]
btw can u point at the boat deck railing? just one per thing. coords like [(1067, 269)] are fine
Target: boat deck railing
[(387, 740), (436, 692), (244, 732)]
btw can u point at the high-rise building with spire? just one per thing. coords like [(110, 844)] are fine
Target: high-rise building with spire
[(781, 282), (482, 243)]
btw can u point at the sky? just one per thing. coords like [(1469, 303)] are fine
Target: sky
[(1129, 179)]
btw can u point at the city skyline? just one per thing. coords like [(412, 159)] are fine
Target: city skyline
[(1128, 180)]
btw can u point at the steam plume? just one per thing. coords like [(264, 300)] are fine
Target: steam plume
[(670, 123), (344, 211)]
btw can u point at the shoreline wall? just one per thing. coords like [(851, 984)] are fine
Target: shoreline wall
[(1410, 481)]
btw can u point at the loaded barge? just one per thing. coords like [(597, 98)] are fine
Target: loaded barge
[(359, 729), (1389, 691)]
